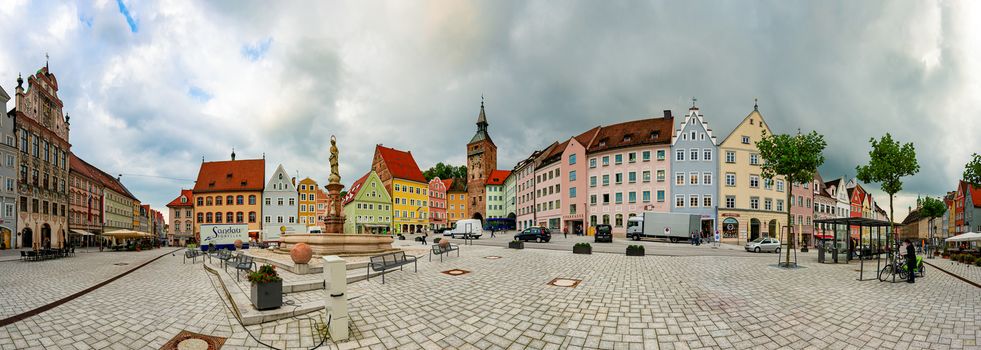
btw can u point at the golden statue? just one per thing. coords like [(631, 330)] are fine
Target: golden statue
[(335, 176)]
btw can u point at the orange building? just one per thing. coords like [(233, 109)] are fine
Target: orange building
[(229, 192), (308, 202), (456, 201)]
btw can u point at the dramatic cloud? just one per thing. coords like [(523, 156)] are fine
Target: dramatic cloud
[(152, 87)]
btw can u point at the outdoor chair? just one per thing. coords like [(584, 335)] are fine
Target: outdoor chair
[(245, 263), (23, 255)]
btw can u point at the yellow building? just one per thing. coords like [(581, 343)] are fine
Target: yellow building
[(749, 206), (229, 192), (456, 201), (307, 210), (408, 187)]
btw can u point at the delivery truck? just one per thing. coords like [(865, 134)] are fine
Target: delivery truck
[(671, 226)]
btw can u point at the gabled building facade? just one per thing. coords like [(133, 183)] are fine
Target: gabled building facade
[(85, 209), (695, 162), (229, 192), (407, 186), (367, 206), (42, 136), (496, 194), (181, 218), (967, 208), (802, 212), (279, 206), (749, 206), (307, 208), (456, 200), (526, 188), (437, 204)]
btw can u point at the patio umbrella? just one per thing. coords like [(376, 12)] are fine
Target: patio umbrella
[(965, 237)]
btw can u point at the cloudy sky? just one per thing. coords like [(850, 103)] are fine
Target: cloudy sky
[(152, 86)]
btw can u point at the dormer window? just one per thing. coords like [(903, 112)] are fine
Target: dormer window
[(280, 176), (229, 175), (655, 134), (244, 183), (183, 199), (626, 138)]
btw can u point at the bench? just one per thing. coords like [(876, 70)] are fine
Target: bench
[(437, 250), (244, 262), (192, 254), (383, 263)]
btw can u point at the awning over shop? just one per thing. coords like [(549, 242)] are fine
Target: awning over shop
[(122, 234), (78, 232), (965, 237), (824, 237)]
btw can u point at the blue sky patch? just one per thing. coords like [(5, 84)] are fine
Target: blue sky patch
[(86, 20), (129, 19), (256, 51), (198, 94)]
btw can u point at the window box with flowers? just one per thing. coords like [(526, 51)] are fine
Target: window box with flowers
[(267, 288)]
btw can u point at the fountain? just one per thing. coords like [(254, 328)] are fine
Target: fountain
[(334, 241)]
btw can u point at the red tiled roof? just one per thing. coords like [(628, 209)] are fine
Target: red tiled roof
[(400, 164), (447, 183), (975, 192), (353, 191), (82, 167), (641, 132), (177, 201), (587, 136), (231, 175), (497, 177)]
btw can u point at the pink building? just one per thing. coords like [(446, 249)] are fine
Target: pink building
[(622, 179), (437, 204), (525, 194), (802, 213), (548, 191)]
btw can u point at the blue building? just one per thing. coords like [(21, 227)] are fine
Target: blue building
[(695, 168)]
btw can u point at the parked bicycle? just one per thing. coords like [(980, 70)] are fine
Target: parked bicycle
[(900, 268)]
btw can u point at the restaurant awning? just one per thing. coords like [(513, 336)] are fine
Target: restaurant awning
[(126, 234), (78, 232), (965, 237)]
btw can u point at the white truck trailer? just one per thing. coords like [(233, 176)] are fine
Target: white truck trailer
[(672, 226)]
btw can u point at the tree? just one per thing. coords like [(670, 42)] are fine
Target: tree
[(889, 162), (444, 171), (796, 158), (972, 170), (932, 208)]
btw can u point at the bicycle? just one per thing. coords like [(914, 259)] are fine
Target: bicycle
[(899, 267)]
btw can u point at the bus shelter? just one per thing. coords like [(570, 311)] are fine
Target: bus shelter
[(865, 247)]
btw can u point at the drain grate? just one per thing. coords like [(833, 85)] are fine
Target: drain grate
[(456, 272), (189, 340), (565, 282), (121, 264), (492, 257)]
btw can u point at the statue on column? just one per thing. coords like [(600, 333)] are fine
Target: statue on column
[(335, 176)]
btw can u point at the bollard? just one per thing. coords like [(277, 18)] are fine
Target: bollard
[(335, 287)]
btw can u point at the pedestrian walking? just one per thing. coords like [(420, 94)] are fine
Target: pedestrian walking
[(565, 232), (910, 261)]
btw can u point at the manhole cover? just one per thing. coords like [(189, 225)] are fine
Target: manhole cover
[(492, 257), (456, 272), (193, 341), (565, 282), (121, 264)]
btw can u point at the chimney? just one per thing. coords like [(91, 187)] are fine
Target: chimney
[(667, 113), (293, 181)]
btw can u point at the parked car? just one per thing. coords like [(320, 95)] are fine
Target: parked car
[(763, 244), (604, 233), (539, 234)]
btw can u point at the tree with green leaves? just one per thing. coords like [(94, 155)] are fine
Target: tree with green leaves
[(932, 208), (445, 171), (796, 158), (972, 170), (889, 161)]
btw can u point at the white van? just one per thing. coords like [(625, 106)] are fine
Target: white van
[(464, 228)]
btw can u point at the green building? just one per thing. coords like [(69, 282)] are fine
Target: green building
[(367, 206)]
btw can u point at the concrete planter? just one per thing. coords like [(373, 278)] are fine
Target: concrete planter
[(582, 250), (267, 296), (516, 245), (635, 252)]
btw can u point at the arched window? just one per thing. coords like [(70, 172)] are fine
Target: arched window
[(239, 217), (187, 226), (619, 220), (592, 220), (200, 216), (606, 219), (240, 199), (251, 216), (218, 217), (230, 217), (218, 200), (208, 201), (252, 199), (209, 218)]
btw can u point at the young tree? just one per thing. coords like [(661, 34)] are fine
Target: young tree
[(972, 170), (889, 162), (796, 158), (932, 208)]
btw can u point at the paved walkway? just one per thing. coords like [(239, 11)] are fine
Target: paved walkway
[(655, 302)]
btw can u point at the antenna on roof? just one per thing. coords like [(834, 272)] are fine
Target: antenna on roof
[(693, 99), (756, 104)]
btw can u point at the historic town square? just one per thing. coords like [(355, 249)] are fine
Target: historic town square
[(204, 175)]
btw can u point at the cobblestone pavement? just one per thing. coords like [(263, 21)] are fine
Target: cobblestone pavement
[(653, 302), (968, 271)]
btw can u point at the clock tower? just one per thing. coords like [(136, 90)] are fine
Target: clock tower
[(481, 161)]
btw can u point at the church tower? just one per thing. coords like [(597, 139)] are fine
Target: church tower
[(481, 161)]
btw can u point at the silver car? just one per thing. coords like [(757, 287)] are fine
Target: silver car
[(763, 244)]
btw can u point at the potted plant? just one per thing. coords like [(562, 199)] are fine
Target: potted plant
[(516, 244), (977, 262), (945, 255), (635, 250), (267, 288), (436, 240), (582, 248)]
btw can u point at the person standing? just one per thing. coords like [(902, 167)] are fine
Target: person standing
[(910, 261), (565, 232)]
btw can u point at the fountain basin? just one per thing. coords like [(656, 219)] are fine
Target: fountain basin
[(339, 244)]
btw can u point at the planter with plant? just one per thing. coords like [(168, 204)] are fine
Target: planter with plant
[(977, 262), (582, 248), (635, 250), (436, 240), (267, 288), (516, 244)]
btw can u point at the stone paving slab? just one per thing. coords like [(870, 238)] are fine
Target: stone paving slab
[(622, 303), (967, 271)]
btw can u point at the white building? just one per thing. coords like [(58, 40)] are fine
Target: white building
[(279, 206)]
